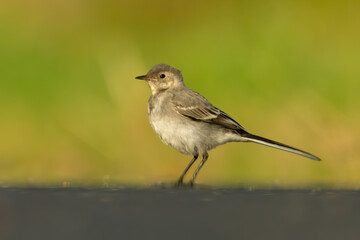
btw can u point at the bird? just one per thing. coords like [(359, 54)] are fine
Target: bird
[(188, 122)]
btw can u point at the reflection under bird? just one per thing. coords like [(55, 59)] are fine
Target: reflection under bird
[(188, 122)]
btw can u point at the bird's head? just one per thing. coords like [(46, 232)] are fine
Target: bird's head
[(162, 77)]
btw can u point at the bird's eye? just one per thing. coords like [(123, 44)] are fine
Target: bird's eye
[(162, 75)]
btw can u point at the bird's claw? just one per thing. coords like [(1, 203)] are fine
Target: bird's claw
[(181, 184)]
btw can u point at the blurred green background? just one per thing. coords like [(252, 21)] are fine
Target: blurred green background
[(71, 112)]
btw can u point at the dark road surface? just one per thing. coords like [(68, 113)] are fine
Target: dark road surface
[(75, 213)]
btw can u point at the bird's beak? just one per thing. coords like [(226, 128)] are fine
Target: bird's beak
[(143, 77), (146, 78)]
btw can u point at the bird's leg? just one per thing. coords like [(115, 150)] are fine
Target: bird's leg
[(180, 181), (205, 157)]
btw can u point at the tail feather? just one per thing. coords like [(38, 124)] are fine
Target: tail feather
[(271, 143)]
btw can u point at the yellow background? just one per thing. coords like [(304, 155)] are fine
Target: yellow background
[(71, 112)]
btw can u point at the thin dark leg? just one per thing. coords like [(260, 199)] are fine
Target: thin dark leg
[(180, 182), (205, 157)]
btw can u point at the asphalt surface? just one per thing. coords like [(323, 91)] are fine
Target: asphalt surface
[(78, 213)]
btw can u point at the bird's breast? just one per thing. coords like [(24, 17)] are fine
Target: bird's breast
[(172, 129)]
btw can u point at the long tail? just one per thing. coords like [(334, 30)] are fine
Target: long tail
[(270, 143)]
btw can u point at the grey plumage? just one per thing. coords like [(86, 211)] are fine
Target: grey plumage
[(188, 122)]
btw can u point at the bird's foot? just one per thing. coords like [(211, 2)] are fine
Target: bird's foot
[(181, 184)]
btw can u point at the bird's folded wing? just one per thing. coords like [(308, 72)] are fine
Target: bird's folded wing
[(194, 106)]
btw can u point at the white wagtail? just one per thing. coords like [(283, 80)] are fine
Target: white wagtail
[(188, 122)]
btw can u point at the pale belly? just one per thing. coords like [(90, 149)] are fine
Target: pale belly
[(189, 137)]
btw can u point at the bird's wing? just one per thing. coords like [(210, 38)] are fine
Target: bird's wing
[(192, 105)]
